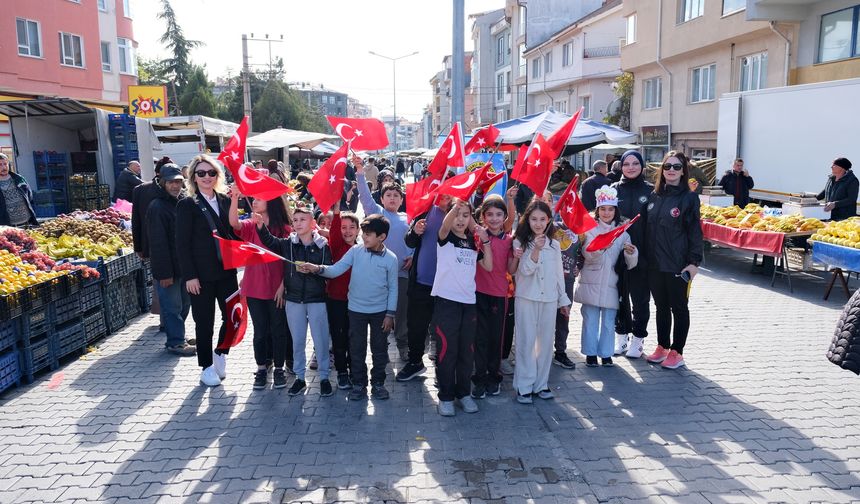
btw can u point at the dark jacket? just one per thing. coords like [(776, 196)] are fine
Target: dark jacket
[(161, 230), (633, 199), (523, 198), (843, 192), (589, 187), (615, 176), (125, 184), (844, 350), (141, 197), (732, 181), (199, 255), (674, 233), (300, 287), (26, 192)]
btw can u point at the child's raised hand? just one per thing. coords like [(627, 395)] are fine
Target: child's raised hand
[(629, 248), (512, 192), (481, 231), (540, 241), (258, 219), (234, 191), (359, 164)]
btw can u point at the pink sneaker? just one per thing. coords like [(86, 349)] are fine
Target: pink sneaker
[(658, 356), (673, 361)]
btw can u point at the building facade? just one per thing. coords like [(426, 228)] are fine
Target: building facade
[(326, 101), (354, 108), (440, 84), (488, 29)]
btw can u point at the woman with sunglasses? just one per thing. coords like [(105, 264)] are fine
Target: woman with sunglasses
[(206, 211), (674, 248)]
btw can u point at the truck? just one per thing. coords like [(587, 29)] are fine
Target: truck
[(789, 136), (183, 137)]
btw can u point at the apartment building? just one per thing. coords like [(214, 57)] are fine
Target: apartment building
[(83, 50), (577, 66), (487, 27), (318, 97), (440, 84)]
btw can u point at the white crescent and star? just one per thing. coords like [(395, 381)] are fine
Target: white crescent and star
[(339, 131), (451, 151), (236, 322), (243, 175), (332, 178), (469, 181), (248, 247)]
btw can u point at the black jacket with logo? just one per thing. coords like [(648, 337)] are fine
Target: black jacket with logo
[(199, 255), (732, 181), (674, 233), (300, 287), (633, 199)]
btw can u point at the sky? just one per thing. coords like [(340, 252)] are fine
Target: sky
[(324, 41)]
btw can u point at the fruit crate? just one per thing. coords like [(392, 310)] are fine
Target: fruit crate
[(130, 300), (120, 120), (67, 308), (83, 180), (56, 289), (11, 305), (10, 369), (132, 262), (91, 297), (34, 323), (114, 305), (71, 282), (144, 296), (69, 338), (36, 356), (94, 326), (115, 268), (37, 295), (8, 334)]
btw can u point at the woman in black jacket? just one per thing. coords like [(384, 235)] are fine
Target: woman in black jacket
[(674, 251), (840, 192), (204, 211)]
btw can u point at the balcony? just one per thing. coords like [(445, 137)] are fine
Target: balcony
[(602, 52), (779, 10)]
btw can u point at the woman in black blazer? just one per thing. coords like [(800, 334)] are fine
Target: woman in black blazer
[(206, 209)]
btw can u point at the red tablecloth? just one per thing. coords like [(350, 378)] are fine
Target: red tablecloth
[(762, 242)]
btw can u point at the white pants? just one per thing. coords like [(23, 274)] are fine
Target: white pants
[(534, 334)]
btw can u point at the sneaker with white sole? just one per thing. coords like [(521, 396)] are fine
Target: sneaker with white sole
[(637, 346), (620, 344), (506, 367), (524, 399), (658, 356), (219, 362), (209, 377), (468, 404), (546, 394), (673, 361), (446, 408)]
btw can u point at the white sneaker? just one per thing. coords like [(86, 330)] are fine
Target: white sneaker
[(637, 346), (446, 408), (506, 367), (468, 404), (620, 343), (219, 362), (209, 377)]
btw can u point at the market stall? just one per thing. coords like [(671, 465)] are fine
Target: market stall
[(837, 246)]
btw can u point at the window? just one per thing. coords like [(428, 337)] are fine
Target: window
[(500, 116), (106, 56), (508, 82), (522, 60), (703, 83), (522, 23), (521, 100), (631, 29), (535, 68), (839, 37), (126, 8), (547, 62), (508, 47), (29, 39), (500, 50), (585, 103), (560, 106), (567, 54), (690, 9), (102, 5), (71, 50), (753, 72), (500, 87), (127, 62), (652, 93), (730, 6)]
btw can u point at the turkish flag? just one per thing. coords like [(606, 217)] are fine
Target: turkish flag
[(258, 185), (573, 212), (483, 139), (237, 321), (507, 147), (604, 240), (233, 154), (326, 186), (463, 185), (535, 173), (238, 253), (520, 162), (490, 180), (558, 140), (449, 154), (365, 134), (419, 196)]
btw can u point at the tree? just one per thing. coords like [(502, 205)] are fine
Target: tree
[(197, 97), (151, 72), (178, 68), (621, 109)]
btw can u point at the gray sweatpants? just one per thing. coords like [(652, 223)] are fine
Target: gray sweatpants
[(299, 316)]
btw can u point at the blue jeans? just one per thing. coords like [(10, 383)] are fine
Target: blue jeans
[(175, 304), (299, 317), (598, 331)]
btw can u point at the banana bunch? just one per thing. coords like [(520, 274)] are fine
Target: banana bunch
[(69, 246)]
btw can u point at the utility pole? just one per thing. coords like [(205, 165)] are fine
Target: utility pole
[(246, 81), (394, 88), (457, 60)]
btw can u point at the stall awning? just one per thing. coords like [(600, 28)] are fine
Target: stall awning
[(282, 137), (43, 107)]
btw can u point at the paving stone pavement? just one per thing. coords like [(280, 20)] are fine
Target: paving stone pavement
[(759, 415)]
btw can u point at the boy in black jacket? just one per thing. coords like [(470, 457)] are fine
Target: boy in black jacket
[(304, 293)]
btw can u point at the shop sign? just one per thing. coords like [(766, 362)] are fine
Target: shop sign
[(655, 135), (147, 101)]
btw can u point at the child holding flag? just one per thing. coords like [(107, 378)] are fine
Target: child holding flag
[(597, 289), (343, 236)]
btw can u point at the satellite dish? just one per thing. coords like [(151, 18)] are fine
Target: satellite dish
[(614, 107)]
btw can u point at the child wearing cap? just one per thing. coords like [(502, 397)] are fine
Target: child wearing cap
[(597, 289)]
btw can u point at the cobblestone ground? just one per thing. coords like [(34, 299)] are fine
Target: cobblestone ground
[(758, 416)]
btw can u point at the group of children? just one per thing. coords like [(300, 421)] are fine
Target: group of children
[(452, 273)]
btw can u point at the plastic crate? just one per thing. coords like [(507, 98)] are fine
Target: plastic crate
[(114, 305), (94, 326), (44, 211), (34, 323), (11, 305), (132, 263), (69, 338), (67, 308), (144, 297), (115, 119), (10, 369), (71, 282), (115, 268), (91, 297), (8, 334), (36, 356), (37, 295), (130, 299), (56, 289)]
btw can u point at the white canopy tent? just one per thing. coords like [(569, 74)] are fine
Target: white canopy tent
[(281, 138), (587, 133)]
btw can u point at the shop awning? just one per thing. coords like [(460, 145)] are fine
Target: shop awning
[(587, 133), (43, 107), (279, 138)]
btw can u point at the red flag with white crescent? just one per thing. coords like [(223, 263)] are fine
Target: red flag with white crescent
[(450, 153), (557, 142), (538, 166), (604, 240), (419, 196), (463, 185), (233, 154), (238, 253), (237, 321), (572, 211), (255, 184), (365, 134), (490, 180), (484, 138), (327, 185)]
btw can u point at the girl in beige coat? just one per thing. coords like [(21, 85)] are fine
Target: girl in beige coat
[(597, 289)]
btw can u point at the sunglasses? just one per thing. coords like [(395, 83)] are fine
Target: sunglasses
[(203, 173), (673, 166)]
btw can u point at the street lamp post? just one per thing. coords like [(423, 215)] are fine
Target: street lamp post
[(394, 89)]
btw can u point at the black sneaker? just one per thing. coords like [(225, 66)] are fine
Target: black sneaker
[(591, 361), (607, 362), (343, 381), (325, 388), (379, 392), (298, 387), (494, 388), (479, 391), (279, 379), (564, 361), (409, 371), (260, 379), (357, 393)]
